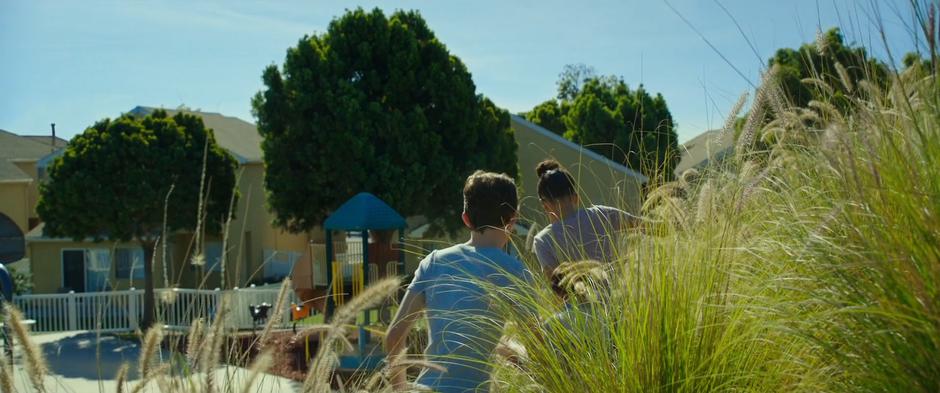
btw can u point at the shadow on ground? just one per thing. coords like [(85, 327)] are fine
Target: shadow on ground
[(88, 356)]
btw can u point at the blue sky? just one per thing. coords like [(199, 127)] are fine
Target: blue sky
[(74, 62)]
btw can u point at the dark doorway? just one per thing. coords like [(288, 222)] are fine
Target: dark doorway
[(73, 270), (12, 245)]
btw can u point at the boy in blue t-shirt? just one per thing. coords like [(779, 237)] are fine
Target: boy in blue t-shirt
[(462, 329)]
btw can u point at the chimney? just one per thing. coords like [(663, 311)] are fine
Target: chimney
[(53, 136)]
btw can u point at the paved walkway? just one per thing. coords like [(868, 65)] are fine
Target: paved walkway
[(81, 362)]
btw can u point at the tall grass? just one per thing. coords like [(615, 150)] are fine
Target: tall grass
[(811, 263)]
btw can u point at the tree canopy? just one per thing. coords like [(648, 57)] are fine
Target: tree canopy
[(375, 104), (602, 113), (113, 180), (829, 60)]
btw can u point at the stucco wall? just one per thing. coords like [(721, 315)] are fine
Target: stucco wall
[(32, 190), (15, 203), (599, 181), (46, 260)]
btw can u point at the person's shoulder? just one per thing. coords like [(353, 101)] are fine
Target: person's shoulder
[(544, 233), (606, 211), (507, 262), (450, 252), (604, 208)]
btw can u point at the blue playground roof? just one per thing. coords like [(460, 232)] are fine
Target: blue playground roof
[(362, 212)]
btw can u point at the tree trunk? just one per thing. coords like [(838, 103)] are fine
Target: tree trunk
[(149, 301)]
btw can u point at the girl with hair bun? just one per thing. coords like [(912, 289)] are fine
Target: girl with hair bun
[(575, 233)]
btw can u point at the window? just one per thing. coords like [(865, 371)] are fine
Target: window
[(97, 269), (129, 263), (213, 257), (279, 264)]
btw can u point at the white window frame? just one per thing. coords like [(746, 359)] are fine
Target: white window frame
[(136, 268)]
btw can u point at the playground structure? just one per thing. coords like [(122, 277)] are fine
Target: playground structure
[(351, 265)]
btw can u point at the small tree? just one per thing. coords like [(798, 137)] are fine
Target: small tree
[(113, 180), (375, 104), (628, 126), (830, 60)]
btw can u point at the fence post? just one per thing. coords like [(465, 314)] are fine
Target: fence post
[(217, 296), (132, 312), (72, 309)]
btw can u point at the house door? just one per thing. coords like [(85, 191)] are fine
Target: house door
[(73, 270)]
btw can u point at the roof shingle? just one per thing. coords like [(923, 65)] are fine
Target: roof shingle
[(15, 147), (239, 137)]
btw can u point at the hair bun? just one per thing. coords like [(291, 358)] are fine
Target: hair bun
[(546, 166)]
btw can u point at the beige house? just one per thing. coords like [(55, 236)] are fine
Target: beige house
[(707, 148), (19, 192), (600, 180), (255, 251)]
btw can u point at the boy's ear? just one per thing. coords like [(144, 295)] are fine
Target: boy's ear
[(466, 220), (512, 222)]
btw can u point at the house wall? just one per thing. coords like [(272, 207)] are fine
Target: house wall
[(253, 230), (250, 234), (599, 181), (32, 189), (15, 203), (46, 260)]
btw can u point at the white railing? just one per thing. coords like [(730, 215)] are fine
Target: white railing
[(117, 311)]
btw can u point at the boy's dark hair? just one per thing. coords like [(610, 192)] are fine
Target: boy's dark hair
[(489, 199), (554, 181)]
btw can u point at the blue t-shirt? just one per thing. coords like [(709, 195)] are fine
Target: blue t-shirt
[(462, 329)]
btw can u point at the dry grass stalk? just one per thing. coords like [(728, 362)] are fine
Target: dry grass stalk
[(733, 115), (194, 341), (121, 378), (704, 203), (213, 345), (36, 366), (169, 296), (420, 363), (165, 384), (753, 122), (312, 330), (278, 313), (151, 343), (845, 78), (261, 364), (819, 84), (154, 374), (6, 377), (318, 377)]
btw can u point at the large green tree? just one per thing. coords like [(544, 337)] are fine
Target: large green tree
[(604, 114), (113, 181), (375, 104), (839, 66)]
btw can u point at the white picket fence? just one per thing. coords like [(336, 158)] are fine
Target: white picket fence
[(121, 311)]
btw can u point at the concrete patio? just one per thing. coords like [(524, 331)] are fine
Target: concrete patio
[(84, 362)]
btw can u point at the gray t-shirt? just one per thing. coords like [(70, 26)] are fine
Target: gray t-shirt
[(462, 329), (586, 234)]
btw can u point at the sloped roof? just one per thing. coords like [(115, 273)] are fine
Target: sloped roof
[(362, 212), (581, 149), (15, 147), (238, 136), (47, 140), (9, 173), (709, 146)]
